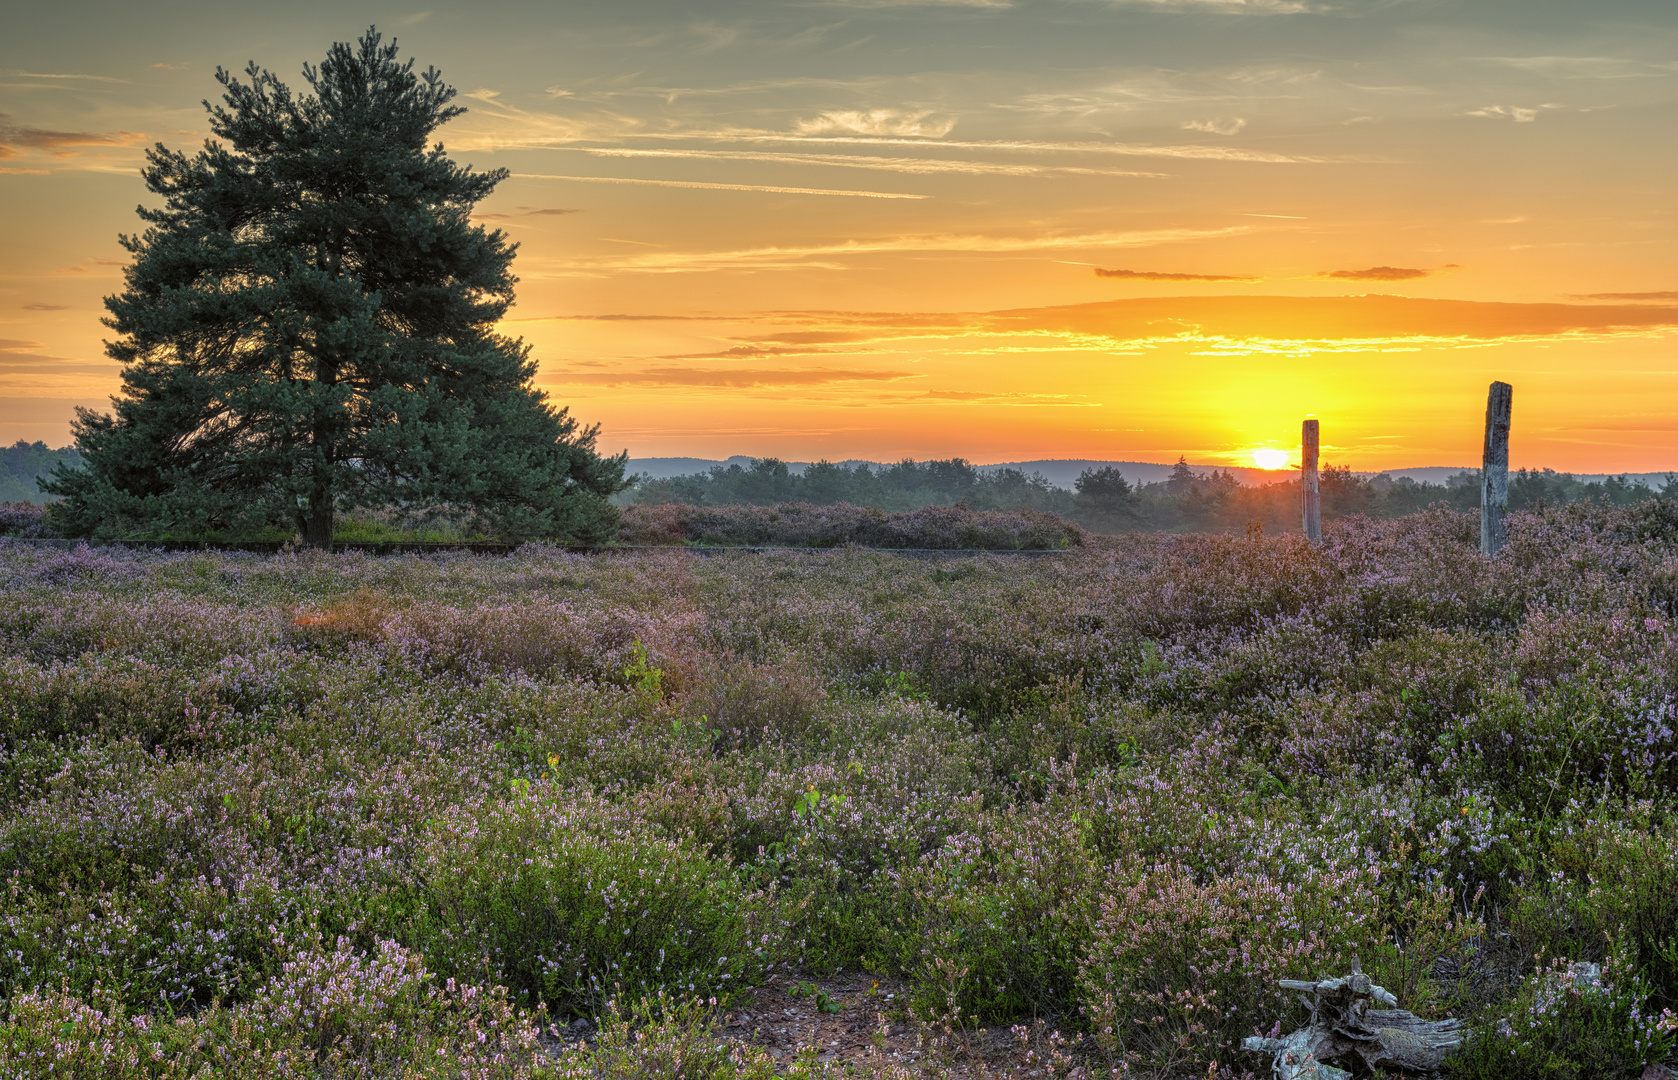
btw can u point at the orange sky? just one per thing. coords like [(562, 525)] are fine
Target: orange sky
[(877, 229)]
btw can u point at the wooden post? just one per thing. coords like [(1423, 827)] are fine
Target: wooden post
[(1494, 470), (1308, 468)]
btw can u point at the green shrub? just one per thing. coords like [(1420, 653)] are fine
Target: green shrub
[(1570, 1022), (566, 902), (328, 1012), (990, 926), (1614, 878)]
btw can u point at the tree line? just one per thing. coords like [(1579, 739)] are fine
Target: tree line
[(23, 463), (1105, 501)]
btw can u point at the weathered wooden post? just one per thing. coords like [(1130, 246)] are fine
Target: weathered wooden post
[(1312, 497), (1494, 470)]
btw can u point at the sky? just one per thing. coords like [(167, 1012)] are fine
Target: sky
[(994, 229)]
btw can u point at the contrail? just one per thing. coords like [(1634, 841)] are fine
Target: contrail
[(721, 187)]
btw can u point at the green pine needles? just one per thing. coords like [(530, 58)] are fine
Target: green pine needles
[(308, 327)]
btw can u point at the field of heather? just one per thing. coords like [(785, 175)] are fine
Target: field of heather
[(839, 812)]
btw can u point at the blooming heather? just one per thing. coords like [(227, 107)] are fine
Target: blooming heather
[(378, 810)]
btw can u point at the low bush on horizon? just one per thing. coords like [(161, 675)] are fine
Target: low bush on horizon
[(339, 815), (842, 525)]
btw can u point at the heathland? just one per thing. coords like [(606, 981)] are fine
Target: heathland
[(337, 815)]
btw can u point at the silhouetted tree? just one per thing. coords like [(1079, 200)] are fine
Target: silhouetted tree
[(1181, 481), (308, 326)]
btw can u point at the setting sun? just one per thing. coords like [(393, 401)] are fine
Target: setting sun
[(1270, 458)]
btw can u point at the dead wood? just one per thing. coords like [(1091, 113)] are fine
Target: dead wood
[(1346, 1028)]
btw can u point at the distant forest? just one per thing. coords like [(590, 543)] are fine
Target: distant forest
[(1104, 501), (22, 462)]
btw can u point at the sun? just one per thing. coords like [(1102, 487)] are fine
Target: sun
[(1266, 458)]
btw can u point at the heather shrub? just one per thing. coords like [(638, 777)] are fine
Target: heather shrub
[(108, 694), (1570, 1021), (563, 902), (1176, 971), (1542, 748), (337, 1012), (748, 701), (539, 637), (25, 519), (1613, 878), (825, 823), (667, 1036), (990, 926), (1140, 775), (807, 525)]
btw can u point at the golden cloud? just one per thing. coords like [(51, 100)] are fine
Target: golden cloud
[(1378, 273), (1277, 318), (1160, 275), (729, 378)]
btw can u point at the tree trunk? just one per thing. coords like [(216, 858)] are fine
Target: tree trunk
[(316, 524), (1494, 471)]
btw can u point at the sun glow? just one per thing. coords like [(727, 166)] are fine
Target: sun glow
[(1266, 458)]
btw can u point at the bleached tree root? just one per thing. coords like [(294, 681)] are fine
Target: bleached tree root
[(1344, 1028)]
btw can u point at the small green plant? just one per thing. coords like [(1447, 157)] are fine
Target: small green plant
[(903, 684), (816, 807), (824, 1001), (698, 732), (646, 680)]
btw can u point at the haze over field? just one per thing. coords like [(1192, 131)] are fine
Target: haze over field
[(1039, 229)]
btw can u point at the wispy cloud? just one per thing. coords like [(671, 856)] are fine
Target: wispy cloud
[(21, 357), (1216, 127), (992, 4), (773, 189), (1517, 113), (1631, 296), (1294, 324), (1187, 151), (983, 397), (15, 137), (823, 255), (895, 122), (83, 78), (811, 337), (1232, 7), (46, 307), (498, 125), (729, 378), (751, 352), (1160, 275), (1378, 273), (523, 212), (1588, 67), (913, 166)]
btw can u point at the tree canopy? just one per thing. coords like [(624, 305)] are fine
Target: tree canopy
[(308, 325)]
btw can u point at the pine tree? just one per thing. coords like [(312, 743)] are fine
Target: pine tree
[(307, 327), (1182, 478)]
